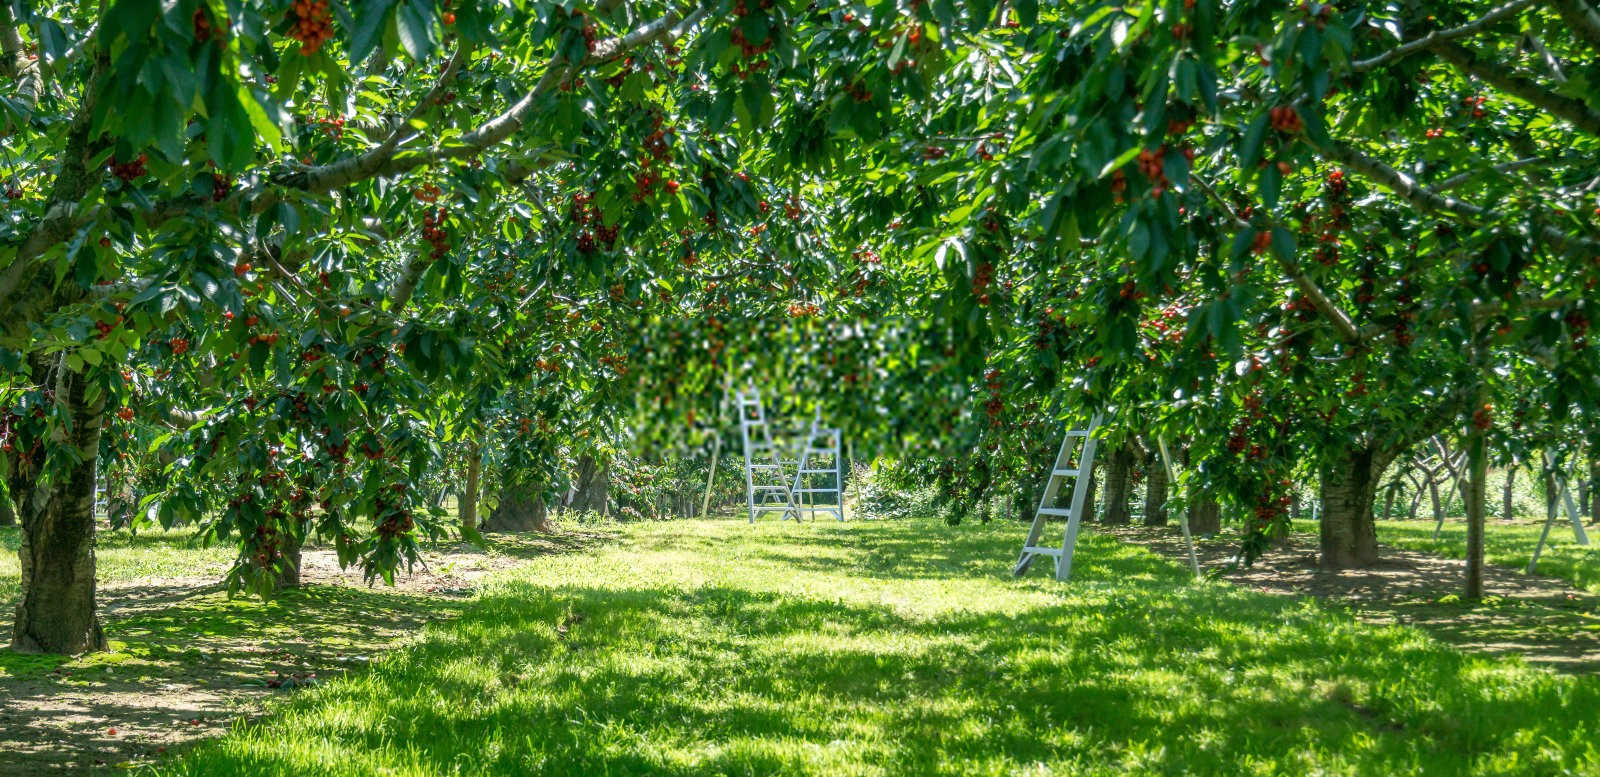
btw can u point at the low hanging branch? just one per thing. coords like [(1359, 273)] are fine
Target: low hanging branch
[(1504, 78), (385, 160), (1582, 18), (1436, 37), (1427, 199)]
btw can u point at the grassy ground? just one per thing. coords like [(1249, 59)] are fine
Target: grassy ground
[(904, 648), (122, 558), (1506, 544)]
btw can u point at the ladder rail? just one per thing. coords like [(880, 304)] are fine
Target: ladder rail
[(1060, 470)]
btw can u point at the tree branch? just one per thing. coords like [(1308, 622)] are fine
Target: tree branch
[(1325, 305), (1504, 78), (1441, 36), (1582, 18), (1423, 198), (1461, 179)]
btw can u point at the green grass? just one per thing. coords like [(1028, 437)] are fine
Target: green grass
[(905, 648), (122, 558), (1505, 544)]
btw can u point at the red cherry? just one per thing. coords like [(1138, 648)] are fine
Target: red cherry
[(241, 268)]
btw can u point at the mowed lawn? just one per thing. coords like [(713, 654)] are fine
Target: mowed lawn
[(905, 648)]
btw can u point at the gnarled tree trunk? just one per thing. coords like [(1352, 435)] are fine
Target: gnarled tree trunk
[(1349, 487), (56, 611), (1155, 493), (592, 485), (1206, 517), (1119, 477), (521, 508)]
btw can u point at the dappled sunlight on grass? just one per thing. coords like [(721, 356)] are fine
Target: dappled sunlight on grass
[(713, 647), (1506, 544)]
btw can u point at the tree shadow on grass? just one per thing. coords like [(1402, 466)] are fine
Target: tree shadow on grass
[(1125, 670), (187, 661), (1542, 619)]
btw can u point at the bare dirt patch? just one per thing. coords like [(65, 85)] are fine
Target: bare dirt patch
[(187, 662), (1545, 620)]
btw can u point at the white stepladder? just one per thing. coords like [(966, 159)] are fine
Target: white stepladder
[(767, 489), (1062, 469), (1565, 491), (821, 443)]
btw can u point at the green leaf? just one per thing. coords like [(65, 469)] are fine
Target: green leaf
[(375, 16), (416, 28), (1250, 145)]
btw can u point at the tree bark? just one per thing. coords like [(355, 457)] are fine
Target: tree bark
[(1348, 489), (468, 508), (289, 573), (1155, 493), (1119, 476), (521, 508), (1477, 474), (1206, 517), (8, 513), (593, 485), (1089, 511), (1506, 494), (56, 611)]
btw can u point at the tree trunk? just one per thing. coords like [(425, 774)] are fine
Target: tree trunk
[(1348, 490), (1089, 511), (1119, 481), (289, 573), (592, 484), (521, 508), (1506, 494), (1416, 502), (1294, 505), (8, 513), (1477, 474), (473, 489), (56, 609), (1155, 493), (1206, 517), (1388, 500), (1438, 506), (1594, 490)]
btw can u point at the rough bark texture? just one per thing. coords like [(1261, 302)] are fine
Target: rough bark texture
[(592, 485), (1349, 487), (56, 609), (1119, 486), (469, 495), (1506, 493), (1155, 493), (1206, 517), (289, 574), (521, 508), (1477, 477), (1089, 511)]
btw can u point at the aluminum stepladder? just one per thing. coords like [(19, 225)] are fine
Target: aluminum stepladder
[(1564, 498), (804, 496), (766, 487), (1060, 471)]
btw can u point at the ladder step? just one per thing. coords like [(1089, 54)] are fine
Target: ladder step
[(1064, 473), (816, 490), (1061, 511), (765, 466), (1038, 550), (816, 472), (1077, 432), (771, 487)]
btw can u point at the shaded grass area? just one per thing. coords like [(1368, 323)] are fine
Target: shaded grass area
[(121, 557), (1505, 543), (904, 648)]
